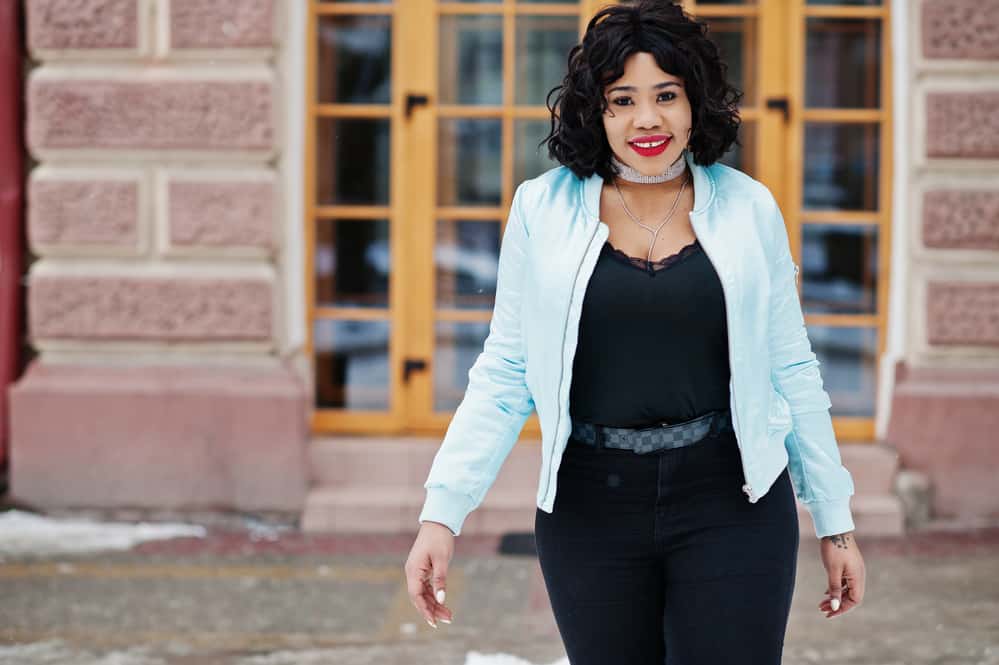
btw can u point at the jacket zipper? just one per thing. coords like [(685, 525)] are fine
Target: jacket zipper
[(561, 376), (746, 488)]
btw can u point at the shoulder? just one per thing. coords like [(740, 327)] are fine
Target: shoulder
[(747, 194), (557, 189)]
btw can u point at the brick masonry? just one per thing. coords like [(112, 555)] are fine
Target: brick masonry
[(82, 24), (149, 308), (964, 29), (221, 23), (119, 114), (83, 212), (211, 213)]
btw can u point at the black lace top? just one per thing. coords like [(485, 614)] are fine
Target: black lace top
[(653, 340)]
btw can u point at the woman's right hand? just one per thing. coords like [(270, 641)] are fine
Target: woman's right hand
[(426, 571)]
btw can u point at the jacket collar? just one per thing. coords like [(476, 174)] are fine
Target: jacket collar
[(704, 189)]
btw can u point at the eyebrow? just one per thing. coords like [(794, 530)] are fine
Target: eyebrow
[(631, 88)]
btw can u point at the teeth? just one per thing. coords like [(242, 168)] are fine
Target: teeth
[(649, 145)]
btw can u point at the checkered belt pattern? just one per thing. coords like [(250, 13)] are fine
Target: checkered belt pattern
[(657, 437)]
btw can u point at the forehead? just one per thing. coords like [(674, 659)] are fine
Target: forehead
[(641, 71)]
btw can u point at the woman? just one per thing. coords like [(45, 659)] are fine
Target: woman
[(647, 308)]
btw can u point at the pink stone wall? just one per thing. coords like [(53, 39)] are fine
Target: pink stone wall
[(221, 213), (148, 308), (82, 24), (221, 23), (193, 115), (944, 409), (153, 213), (83, 212)]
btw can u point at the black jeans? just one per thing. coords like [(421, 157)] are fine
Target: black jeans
[(660, 558)]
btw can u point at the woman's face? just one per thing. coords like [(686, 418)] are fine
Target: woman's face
[(647, 105)]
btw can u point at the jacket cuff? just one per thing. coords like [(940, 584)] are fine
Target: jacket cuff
[(831, 517), (447, 507)]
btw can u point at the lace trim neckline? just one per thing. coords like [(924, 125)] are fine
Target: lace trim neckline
[(652, 266)]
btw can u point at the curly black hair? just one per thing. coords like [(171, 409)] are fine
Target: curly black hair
[(679, 45)]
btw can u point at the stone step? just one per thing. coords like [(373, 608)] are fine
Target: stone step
[(375, 485)]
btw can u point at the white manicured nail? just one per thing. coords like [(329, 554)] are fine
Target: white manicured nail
[(445, 620), (440, 596), (432, 624), (834, 603)]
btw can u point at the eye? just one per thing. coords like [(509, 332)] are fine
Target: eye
[(624, 101)]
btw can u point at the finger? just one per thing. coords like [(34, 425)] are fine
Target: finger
[(438, 610), (438, 580), (416, 588)]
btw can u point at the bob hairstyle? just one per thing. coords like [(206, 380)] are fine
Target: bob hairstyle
[(680, 47)]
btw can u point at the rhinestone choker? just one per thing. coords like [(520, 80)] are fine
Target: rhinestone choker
[(629, 174)]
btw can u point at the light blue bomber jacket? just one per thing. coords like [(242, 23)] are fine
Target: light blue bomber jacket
[(549, 249)]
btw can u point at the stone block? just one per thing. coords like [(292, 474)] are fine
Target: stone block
[(212, 213), (70, 113), (961, 219), (960, 29), (84, 212), (962, 125), (962, 313), (159, 437), (82, 24), (221, 23), (150, 308)]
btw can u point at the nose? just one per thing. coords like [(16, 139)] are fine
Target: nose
[(646, 116)]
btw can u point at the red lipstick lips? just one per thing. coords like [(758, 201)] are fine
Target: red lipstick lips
[(650, 146)]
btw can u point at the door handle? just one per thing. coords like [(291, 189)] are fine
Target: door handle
[(413, 100), (781, 104), (411, 365)]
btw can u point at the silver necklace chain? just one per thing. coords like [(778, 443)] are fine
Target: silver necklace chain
[(654, 232)]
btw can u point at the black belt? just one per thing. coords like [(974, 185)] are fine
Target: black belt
[(656, 437)]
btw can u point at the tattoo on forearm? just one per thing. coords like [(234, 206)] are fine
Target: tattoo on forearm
[(841, 540)]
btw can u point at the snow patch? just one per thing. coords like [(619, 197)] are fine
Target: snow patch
[(27, 533)]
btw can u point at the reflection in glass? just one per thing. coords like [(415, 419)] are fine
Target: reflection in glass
[(456, 347), (352, 364), (738, 46), (839, 268), (841, 166), (354, 59), (528, 159), (468, 165), (843, 63), (352, 262), (543, 44), (847, 363), (743, 157), (471, 59), (352, 161), (466, 255)]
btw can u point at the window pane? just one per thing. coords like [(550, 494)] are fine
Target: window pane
[(352, 161), (468, 166), (352, 364), (529, 160), (352, 262), (466, 256), (841, 166), (471, 59), (848, 364), (457, 345), (738, 46), (839, 268), (543, 44), (843, 63), (354, 59)]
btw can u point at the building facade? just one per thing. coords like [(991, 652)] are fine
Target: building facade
[(264, 235)]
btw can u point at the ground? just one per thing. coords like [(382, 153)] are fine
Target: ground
[(253, 594)]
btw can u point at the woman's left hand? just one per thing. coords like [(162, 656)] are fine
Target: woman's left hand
[(845, 570)]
